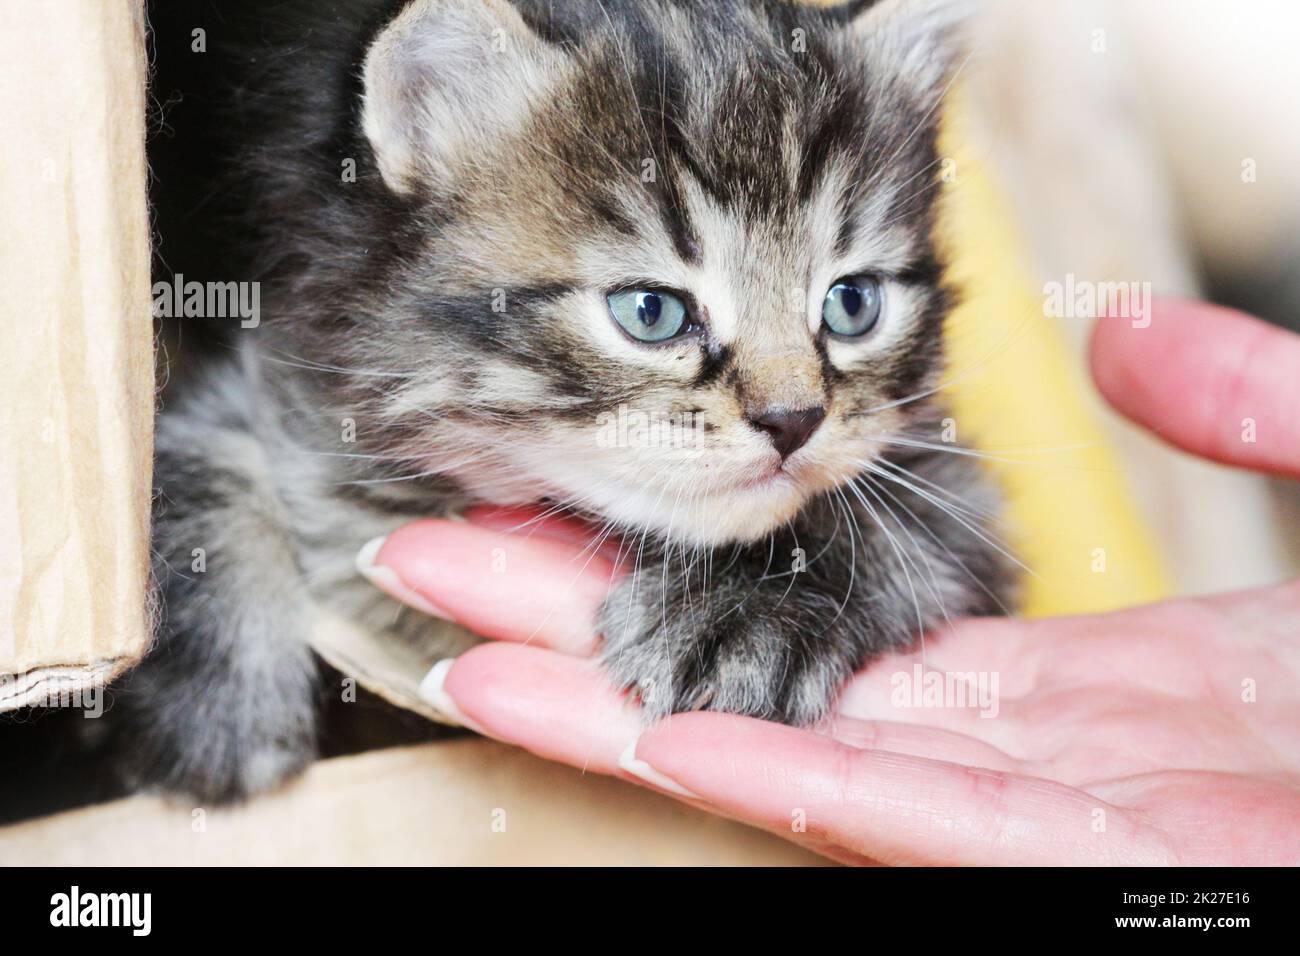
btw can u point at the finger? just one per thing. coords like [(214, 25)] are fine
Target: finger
[(1210, 380), (886, 806), (536, 523), (545, 589), (557, 706)]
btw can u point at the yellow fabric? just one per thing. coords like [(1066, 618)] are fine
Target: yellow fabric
[(1016, 394)]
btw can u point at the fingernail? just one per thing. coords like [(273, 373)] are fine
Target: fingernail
[(432, 693), (629, 763), (386, 579)]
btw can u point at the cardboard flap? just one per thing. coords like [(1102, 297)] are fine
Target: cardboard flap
[(76, 369), (387, 667)]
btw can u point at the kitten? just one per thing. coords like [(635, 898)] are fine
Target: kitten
[(713, 218)]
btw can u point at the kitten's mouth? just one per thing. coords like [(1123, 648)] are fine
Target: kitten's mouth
[(712, 505), (775, 476)]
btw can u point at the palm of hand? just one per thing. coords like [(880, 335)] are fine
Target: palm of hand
[(1179, 713)]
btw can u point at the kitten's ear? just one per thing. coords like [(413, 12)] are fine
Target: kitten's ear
[(442, 79), (925, 40)]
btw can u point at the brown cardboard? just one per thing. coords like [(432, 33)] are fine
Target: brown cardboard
[(76, 374), (390, 668), (464, 802)]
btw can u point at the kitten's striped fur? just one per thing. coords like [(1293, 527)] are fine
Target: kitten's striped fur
[(532, 156)]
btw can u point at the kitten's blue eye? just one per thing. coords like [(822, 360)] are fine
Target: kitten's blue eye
[(852, 306), (649, 315)]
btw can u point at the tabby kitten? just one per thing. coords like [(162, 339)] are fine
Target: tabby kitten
[(711, 217)]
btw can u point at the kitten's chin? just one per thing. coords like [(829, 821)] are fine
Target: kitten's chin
[(695, 514), (735, 515)]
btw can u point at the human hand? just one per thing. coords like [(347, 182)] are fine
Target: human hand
[(1160, 734)]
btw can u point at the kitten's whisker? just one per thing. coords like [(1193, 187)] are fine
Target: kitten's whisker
[(853, 554), (939, 503), (441, 469), (954, 510), (971, 511), (935, 446), (1031, 448), (898, 553), (916, 547), (975, 453), (940, 542), (594, 547), (389, 481), (309, 365), (636, 587), (345, 454), (569, 505)]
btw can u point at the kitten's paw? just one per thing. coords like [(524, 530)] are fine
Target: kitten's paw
[(753, 661)]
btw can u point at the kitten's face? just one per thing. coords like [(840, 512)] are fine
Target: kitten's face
[(624, 303)]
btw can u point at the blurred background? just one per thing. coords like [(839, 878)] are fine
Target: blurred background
[(1159, 141)]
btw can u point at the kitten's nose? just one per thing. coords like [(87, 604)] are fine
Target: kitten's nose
[(790, 430)]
